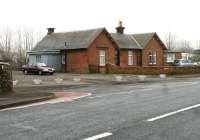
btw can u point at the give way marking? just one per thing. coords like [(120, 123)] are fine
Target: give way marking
[(60, 97)]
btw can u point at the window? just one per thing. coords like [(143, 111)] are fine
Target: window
[(102, 58), (130, 58), (170, 57), (38, 58), (152, 57)]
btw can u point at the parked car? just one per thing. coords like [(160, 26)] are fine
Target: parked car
[(39, 68), (196, 63), (183, 63)]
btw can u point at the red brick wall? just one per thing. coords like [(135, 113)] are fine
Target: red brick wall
[(101, 42), (80, 59), (178, 55), (153, 45), (151, 70), (124, 58), (77, 61)]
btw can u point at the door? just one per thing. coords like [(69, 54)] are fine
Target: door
[(64, 61), (139, 57)]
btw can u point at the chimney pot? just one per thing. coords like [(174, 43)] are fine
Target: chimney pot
[(120, 28), (120, 23), (50, 31)]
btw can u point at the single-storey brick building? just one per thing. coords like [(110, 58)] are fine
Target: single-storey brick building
[(85, 51), (75, 51), (144, 49)]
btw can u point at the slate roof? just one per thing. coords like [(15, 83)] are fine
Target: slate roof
[(126, 41), (143, 38), (132, 41), (196, 51), (68, 40), (82, 39)]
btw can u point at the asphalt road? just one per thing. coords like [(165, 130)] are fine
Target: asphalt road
[(158, 111)]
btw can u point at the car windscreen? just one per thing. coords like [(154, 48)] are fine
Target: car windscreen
[(41, 64)]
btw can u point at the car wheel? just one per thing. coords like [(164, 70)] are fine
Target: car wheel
[(40, 72), (51, 73), (25, 72)]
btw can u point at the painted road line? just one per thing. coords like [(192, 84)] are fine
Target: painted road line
[(183, 84), (103, 135), (93, 97), (146, 89), (110, 94), (172, 113)]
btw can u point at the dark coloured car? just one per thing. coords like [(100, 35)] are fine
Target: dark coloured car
[(38, 68)]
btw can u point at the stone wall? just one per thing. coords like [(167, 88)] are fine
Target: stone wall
[(6, 84)]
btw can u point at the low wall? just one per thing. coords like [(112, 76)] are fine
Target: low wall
[(6, 83), (113, 69)]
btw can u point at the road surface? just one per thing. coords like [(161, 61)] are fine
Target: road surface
[(146, 111)]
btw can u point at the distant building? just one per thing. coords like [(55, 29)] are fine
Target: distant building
[(1, 58), (172, 55), (196, 52), (187, 56)]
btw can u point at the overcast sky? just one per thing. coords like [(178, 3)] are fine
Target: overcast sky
[(181, 17)]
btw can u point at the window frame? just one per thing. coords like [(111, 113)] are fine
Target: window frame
[(102, 57), (152, 57), (171, 57), (38, 58), (130, 57)]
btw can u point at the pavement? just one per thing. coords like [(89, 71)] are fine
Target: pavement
[(35, 93), (17, 98), (167, 110)]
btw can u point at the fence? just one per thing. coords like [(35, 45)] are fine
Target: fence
[(6, 84), (152, 70)]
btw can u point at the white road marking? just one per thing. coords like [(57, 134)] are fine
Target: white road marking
[(121, 93), (103, 135), (52, 101), (183, 84), (147, 89), (110, 94), (20, 126), (172, 113), (100, 96)]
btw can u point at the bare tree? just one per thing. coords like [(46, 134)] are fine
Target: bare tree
[(198, 44), (6, 44), (21, 52), (170, 40), (185, 46), (15, 44), (28, 39)]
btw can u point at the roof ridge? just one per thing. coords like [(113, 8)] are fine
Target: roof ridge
[(144, 33), (135, 40), (76, 31)]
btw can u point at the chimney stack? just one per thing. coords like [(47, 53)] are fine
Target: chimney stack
[(120, 28), (50, 31)]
